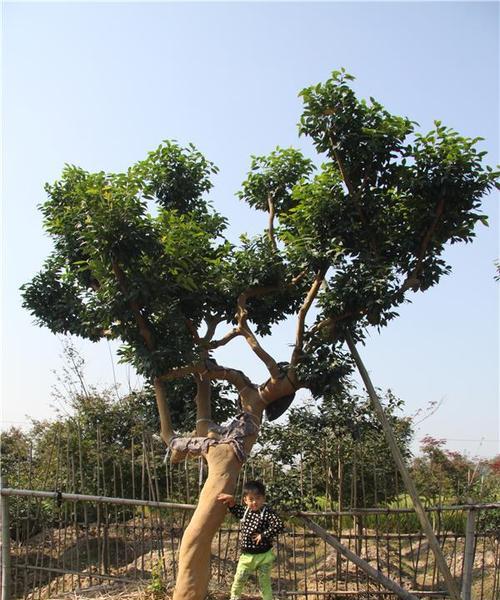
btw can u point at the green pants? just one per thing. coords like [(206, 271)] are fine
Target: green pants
[(250, 563)]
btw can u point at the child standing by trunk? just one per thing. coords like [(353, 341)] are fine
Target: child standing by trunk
[(259, 525)]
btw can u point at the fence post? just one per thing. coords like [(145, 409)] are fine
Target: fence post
[(470, 539), (5, 548)]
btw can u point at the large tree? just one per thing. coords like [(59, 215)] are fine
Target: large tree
[(141, 257)]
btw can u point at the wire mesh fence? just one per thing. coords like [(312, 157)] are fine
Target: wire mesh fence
[(104, 540)]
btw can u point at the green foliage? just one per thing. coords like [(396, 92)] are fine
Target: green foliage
[(157, 585), (324, 370), (100, 433), (181, 393), (385, 203), (329, 454), (256, 265), (140, 256), (311, 230), (15, 452), (113, 259), (272, 179), (316, 438), (96, 447), (176, 177)]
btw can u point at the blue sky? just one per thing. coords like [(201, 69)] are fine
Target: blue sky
[(99, 85)]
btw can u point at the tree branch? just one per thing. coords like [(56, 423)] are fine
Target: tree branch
[(343, 172), (211, 327), (311, 295), (322, 324), (299, 277), (203, 404), (412, 280), (355, 194), (330, 322), (180, 372), (213, 371), (166, 428), (193, 331), (251, 292), (235, 332), (248, 334), (144, 328), (272, 212), (430, 232), (244, 329)]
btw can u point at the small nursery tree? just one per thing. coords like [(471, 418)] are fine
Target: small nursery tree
[(140, 257)]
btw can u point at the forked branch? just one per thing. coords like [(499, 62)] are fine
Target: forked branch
[(235, 332), (247, 333), (212, 370), (211, 327)]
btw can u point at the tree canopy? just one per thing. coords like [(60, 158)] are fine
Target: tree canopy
[(141, 256)]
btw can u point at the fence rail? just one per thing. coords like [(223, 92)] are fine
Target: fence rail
[(63, 542)]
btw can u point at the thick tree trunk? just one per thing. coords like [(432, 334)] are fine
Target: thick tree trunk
[(223, 467), (194, 556)]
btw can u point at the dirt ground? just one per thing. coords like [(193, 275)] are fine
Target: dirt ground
[(305, 564), (132, 592)]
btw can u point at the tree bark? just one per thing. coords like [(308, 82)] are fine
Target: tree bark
[(194, 555), (223, 468), (203, 406), (167, 430)]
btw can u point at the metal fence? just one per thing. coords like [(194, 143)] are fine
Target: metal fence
[(74, 539), (65, 542)]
